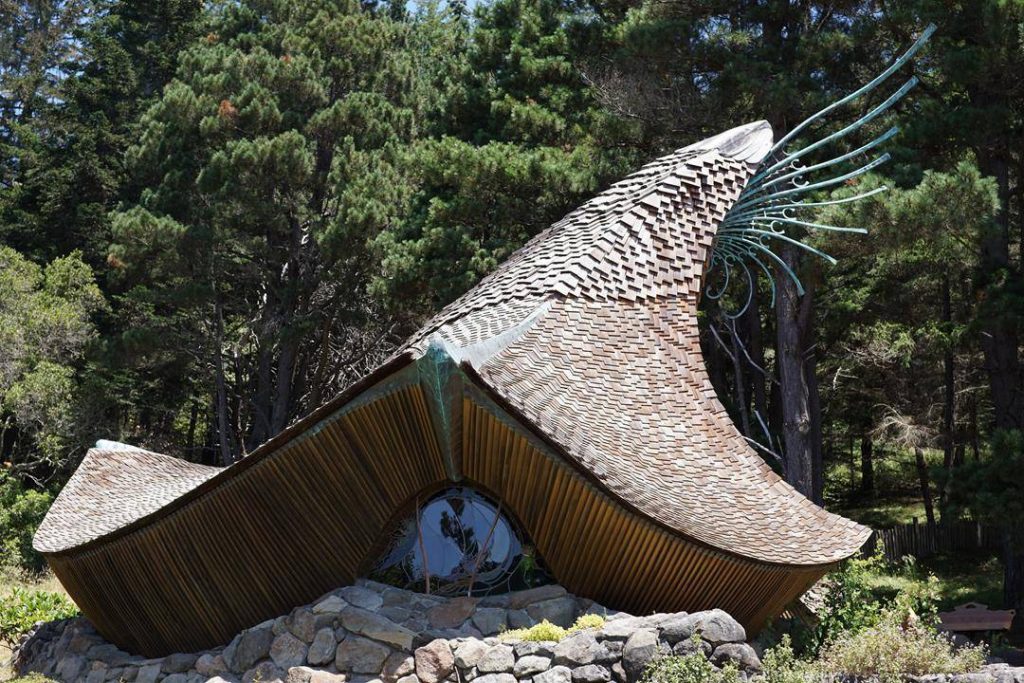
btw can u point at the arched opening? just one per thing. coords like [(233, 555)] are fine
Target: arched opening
[(459, 542)]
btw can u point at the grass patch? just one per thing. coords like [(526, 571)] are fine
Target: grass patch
[(957, 579), (886, 514), (12, 583)]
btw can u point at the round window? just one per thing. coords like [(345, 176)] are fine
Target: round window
[(459, 543)]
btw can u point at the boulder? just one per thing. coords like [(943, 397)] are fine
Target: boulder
[(496, 659), (542, 648), (556, 674), (580, 649), (361, 597), (469, 652), (397, 665), (690, 645), (529, 665), (288, 651), (264, 672), (521, 599), (637, 653), (490, 620), (742, 654), (434, 661), (591, 673), (251, 646), (210, 664), (321, 650), (519, 618), (377, 627), (176, 678), (360, 656), (72, 666), (451, 614), (560, 611), (303, 624), (332, 604), (714, 626), (178, 663), (495, 678), (299, 674)]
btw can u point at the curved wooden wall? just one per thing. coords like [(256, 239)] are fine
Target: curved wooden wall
[(308, 516)]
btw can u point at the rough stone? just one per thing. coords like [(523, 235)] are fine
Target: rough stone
[(115, 673), (361, 656), (109, 653), (371, 625), (640, 649), (96, 676), (714, 626), (322, 649), (252, 646), (411, 678), (71, 667), (288, 651), (147, 674), (397, 665), (222, 679), (542, 648), (618, 672), (451, 614), (210, 664), (177, 663), (560, 611), (490, 620), (529, 665), (303, 624), (176, 678), (580, 649), (556, 674), (495, 678), (299, 674), (264, 672), (521, 599), (591, 673), (434, 661), (620, 628), (361, 597), (741, 653), (280, 626), (326, 677), (689, 646), (496, 659), (469, 652), (519, 618), (332, 604)]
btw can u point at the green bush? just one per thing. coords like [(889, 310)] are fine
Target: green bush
[(545, 630), (21, 511), (691, 668), (22, 608), (780, 665), (896, 647)]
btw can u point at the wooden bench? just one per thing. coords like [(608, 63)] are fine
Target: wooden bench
[(974, 617)]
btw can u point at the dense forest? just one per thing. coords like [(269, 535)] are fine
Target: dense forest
[(215, 216)]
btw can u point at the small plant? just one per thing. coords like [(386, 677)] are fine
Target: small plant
[(585, 621), (545, 630), (780, 665), (23, 608), (895, 647), (691, 668)]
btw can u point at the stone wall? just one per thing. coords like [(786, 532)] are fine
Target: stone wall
[(371, 632)]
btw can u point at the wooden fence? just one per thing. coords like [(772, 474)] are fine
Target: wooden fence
[(920, 540)]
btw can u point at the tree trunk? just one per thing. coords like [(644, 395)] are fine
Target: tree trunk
[(797, 423), (867, 466), (739, 381), (948, 394), (1013, 571), (926, 489), (758, 380), (220, 389)]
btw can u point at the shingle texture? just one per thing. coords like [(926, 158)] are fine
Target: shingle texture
[(590, 333)]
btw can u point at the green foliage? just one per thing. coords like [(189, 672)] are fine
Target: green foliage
[(21, 511), (992, 489), (780, 665), (546, 631), (850, 603), (46, 325), (892, 649), (691, 668), (22, 608)]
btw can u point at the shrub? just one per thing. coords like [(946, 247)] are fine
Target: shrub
[(21, 511), (893, 648), (691, 668), (23, 608), (780, 665), (545, 630)]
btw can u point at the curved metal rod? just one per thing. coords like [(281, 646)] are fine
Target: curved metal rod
[(868, 87)]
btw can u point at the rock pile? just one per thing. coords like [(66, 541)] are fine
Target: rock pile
[(372, 633)]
